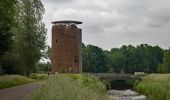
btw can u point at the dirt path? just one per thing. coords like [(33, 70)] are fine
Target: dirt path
[(21, 92)]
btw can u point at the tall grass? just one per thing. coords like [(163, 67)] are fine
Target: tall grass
[(155, 86), (13, 80), (71, 87), (39, 76)]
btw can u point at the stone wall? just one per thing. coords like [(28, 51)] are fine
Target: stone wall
[(66, 48)]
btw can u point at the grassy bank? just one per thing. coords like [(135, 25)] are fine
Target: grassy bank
[(39, 76), (155, 86), (13, 80), (71, 87)]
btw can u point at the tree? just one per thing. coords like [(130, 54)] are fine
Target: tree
[(6, 23), (165, 66), (118, 62), (93, 59), (127, 59), (48, 53), (31, 34)]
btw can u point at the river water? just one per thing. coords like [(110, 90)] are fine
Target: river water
[(125, 95)]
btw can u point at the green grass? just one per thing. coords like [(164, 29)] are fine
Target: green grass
[(155, 86), (71, 87), (37, 76), (13, 80)]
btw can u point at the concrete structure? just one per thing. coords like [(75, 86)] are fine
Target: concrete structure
[(66, 47), (114, 76)]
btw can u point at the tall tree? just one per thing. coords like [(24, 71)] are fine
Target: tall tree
[(6, 24), (7, 13), (118, 62), (165, 66), (31, 34), (93, 59)]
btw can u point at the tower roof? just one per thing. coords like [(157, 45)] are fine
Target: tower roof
[(67, 22)]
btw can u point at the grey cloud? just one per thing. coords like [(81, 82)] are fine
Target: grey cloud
[(112, 23), (57, 1)]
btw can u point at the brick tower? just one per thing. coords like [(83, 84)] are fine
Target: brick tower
[(66, 47)]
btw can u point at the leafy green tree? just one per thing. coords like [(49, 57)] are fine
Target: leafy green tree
[(118, 62), (31, 34), (42, 67), (127, 59), (6, 23), (48, 53), (93, 59), (165, 66), (130, 58)]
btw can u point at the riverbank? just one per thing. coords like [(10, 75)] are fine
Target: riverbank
[(155, 86), (123, 90), (71, 87)]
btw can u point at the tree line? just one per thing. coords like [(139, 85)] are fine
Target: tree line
[(126, 59)]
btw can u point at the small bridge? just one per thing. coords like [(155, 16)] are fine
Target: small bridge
[(115, 76)]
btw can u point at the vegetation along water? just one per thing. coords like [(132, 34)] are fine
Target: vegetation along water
[(71, 87)]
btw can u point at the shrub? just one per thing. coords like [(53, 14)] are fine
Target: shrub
[(155, 86)]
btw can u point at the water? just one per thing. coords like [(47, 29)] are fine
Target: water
[(125, 95)]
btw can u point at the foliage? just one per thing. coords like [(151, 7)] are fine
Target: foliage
[(63, 87), (126, 59), (9, 64), (30, 34), (93, 59), (6, 24), (165, 66), (117, 63), (48, 53), (42, 67), (13, 80), (155, 86), (89, 81)]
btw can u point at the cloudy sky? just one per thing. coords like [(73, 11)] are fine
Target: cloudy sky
[(113, 23)]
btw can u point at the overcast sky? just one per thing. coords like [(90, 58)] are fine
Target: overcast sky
[(113, 23)]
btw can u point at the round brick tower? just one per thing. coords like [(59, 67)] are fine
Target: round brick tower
[(66, 47)]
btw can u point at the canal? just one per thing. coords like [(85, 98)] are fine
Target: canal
[(123, 90)]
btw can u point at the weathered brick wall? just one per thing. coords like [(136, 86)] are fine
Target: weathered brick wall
[(66, 48)]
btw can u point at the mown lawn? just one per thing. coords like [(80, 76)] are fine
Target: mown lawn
[(155, 86), (13, 80), (71, 87)]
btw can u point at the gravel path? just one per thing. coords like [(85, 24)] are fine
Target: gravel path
[(21, 92)]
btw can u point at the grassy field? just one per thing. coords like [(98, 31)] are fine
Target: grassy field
[(71, 87), (155, 86), (13, 80), (40, 76)]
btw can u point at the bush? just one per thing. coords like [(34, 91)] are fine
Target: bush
[(13, 80), (70, 87), (155, 86), (89, 81)]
